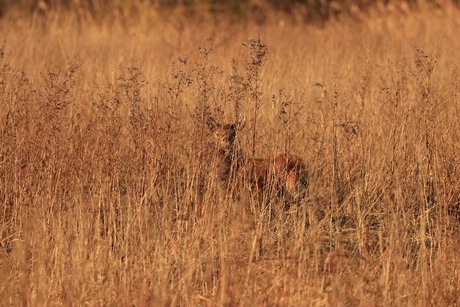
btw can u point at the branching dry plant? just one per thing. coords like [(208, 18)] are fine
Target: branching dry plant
[(111, 189)]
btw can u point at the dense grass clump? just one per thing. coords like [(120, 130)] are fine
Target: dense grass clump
[(111, 188)]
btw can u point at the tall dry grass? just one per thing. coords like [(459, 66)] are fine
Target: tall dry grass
[(109, 183)]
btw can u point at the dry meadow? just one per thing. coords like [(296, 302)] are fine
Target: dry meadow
[(109, 185)]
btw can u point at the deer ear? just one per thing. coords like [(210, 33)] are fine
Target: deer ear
[(211, 123)]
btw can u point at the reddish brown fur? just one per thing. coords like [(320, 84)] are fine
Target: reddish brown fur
[(281, 172)]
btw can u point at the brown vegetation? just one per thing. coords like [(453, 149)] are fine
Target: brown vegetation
[(110, 178)]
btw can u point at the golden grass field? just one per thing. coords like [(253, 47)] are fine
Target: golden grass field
[(109, 186)]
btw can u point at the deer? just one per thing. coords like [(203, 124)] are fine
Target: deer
[(281, 173)]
